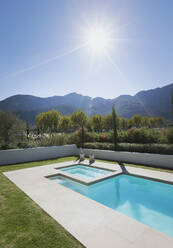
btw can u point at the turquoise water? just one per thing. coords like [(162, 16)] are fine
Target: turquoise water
[(147, 201), (84, 171)]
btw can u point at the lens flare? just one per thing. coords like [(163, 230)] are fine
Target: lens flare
[(98, 39)]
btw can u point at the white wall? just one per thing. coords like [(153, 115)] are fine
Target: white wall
[(157, 160), (15, 156), (42, 153)]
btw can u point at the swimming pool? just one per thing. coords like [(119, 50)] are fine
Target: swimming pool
[(83, 171), (147, 201)]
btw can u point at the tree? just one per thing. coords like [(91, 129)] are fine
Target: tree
[(53, 118), (48, 121), (78, 119), (136, 120), (170, 129), (122, 123), (40, 123), (27, 130), (145, 122), (107, 122), (65, 123), (88, 124), (97, 123), (114, 121), (159, 121), (172, 102), (11, 129), (152, 122)]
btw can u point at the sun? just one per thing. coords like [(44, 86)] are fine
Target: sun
[(98, 39)]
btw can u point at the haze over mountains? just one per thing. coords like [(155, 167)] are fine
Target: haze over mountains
[(154, 102)]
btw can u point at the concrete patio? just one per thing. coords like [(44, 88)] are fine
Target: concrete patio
[(92, 223)]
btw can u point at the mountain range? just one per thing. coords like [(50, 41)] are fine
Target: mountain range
[(154, 102)]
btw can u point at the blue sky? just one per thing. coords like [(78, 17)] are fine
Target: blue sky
[(37, 38)]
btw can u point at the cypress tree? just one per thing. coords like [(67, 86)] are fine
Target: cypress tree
[(82, 135), (114, 125), (172, 102)]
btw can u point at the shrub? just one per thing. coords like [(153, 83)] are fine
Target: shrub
[(142, 135), (170, 135), (105, 137), (98, 137), (92, 137), (122, 136), (73, 138), (144, 148), (101, 146), (163, 137), (12, 130), (49, 140)]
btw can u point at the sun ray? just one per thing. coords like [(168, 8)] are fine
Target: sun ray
[(97, 39), (35, 66), (116, 66)]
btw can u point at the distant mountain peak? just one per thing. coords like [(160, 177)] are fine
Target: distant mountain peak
[(72, 94), (152, 102)]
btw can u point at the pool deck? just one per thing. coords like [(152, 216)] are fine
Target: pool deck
[(86, 181), (92, 223)]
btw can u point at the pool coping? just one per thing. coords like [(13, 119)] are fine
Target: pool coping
[(84, 181), (92, 223)]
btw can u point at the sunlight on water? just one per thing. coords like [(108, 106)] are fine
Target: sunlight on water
[(147, 201)]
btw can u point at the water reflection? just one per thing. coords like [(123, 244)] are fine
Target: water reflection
[(144, 200)]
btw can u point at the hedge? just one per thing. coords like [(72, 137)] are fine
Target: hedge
[(144, 148)]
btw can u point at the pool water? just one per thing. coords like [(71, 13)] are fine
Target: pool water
[(84, 171), (147, 201)]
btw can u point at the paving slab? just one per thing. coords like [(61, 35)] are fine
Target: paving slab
[(92, 223)]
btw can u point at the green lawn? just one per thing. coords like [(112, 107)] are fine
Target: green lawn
[(138, 166), (23, 224)]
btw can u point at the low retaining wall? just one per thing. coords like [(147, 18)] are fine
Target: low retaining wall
[(42, 153), (16, 156), (156, 160)]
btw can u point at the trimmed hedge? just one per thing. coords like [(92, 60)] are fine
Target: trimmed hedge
[(144, 148)]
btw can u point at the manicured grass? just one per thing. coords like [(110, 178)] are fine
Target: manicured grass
[(36, 163), (23, 224), (149, 168), (137, 166)]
